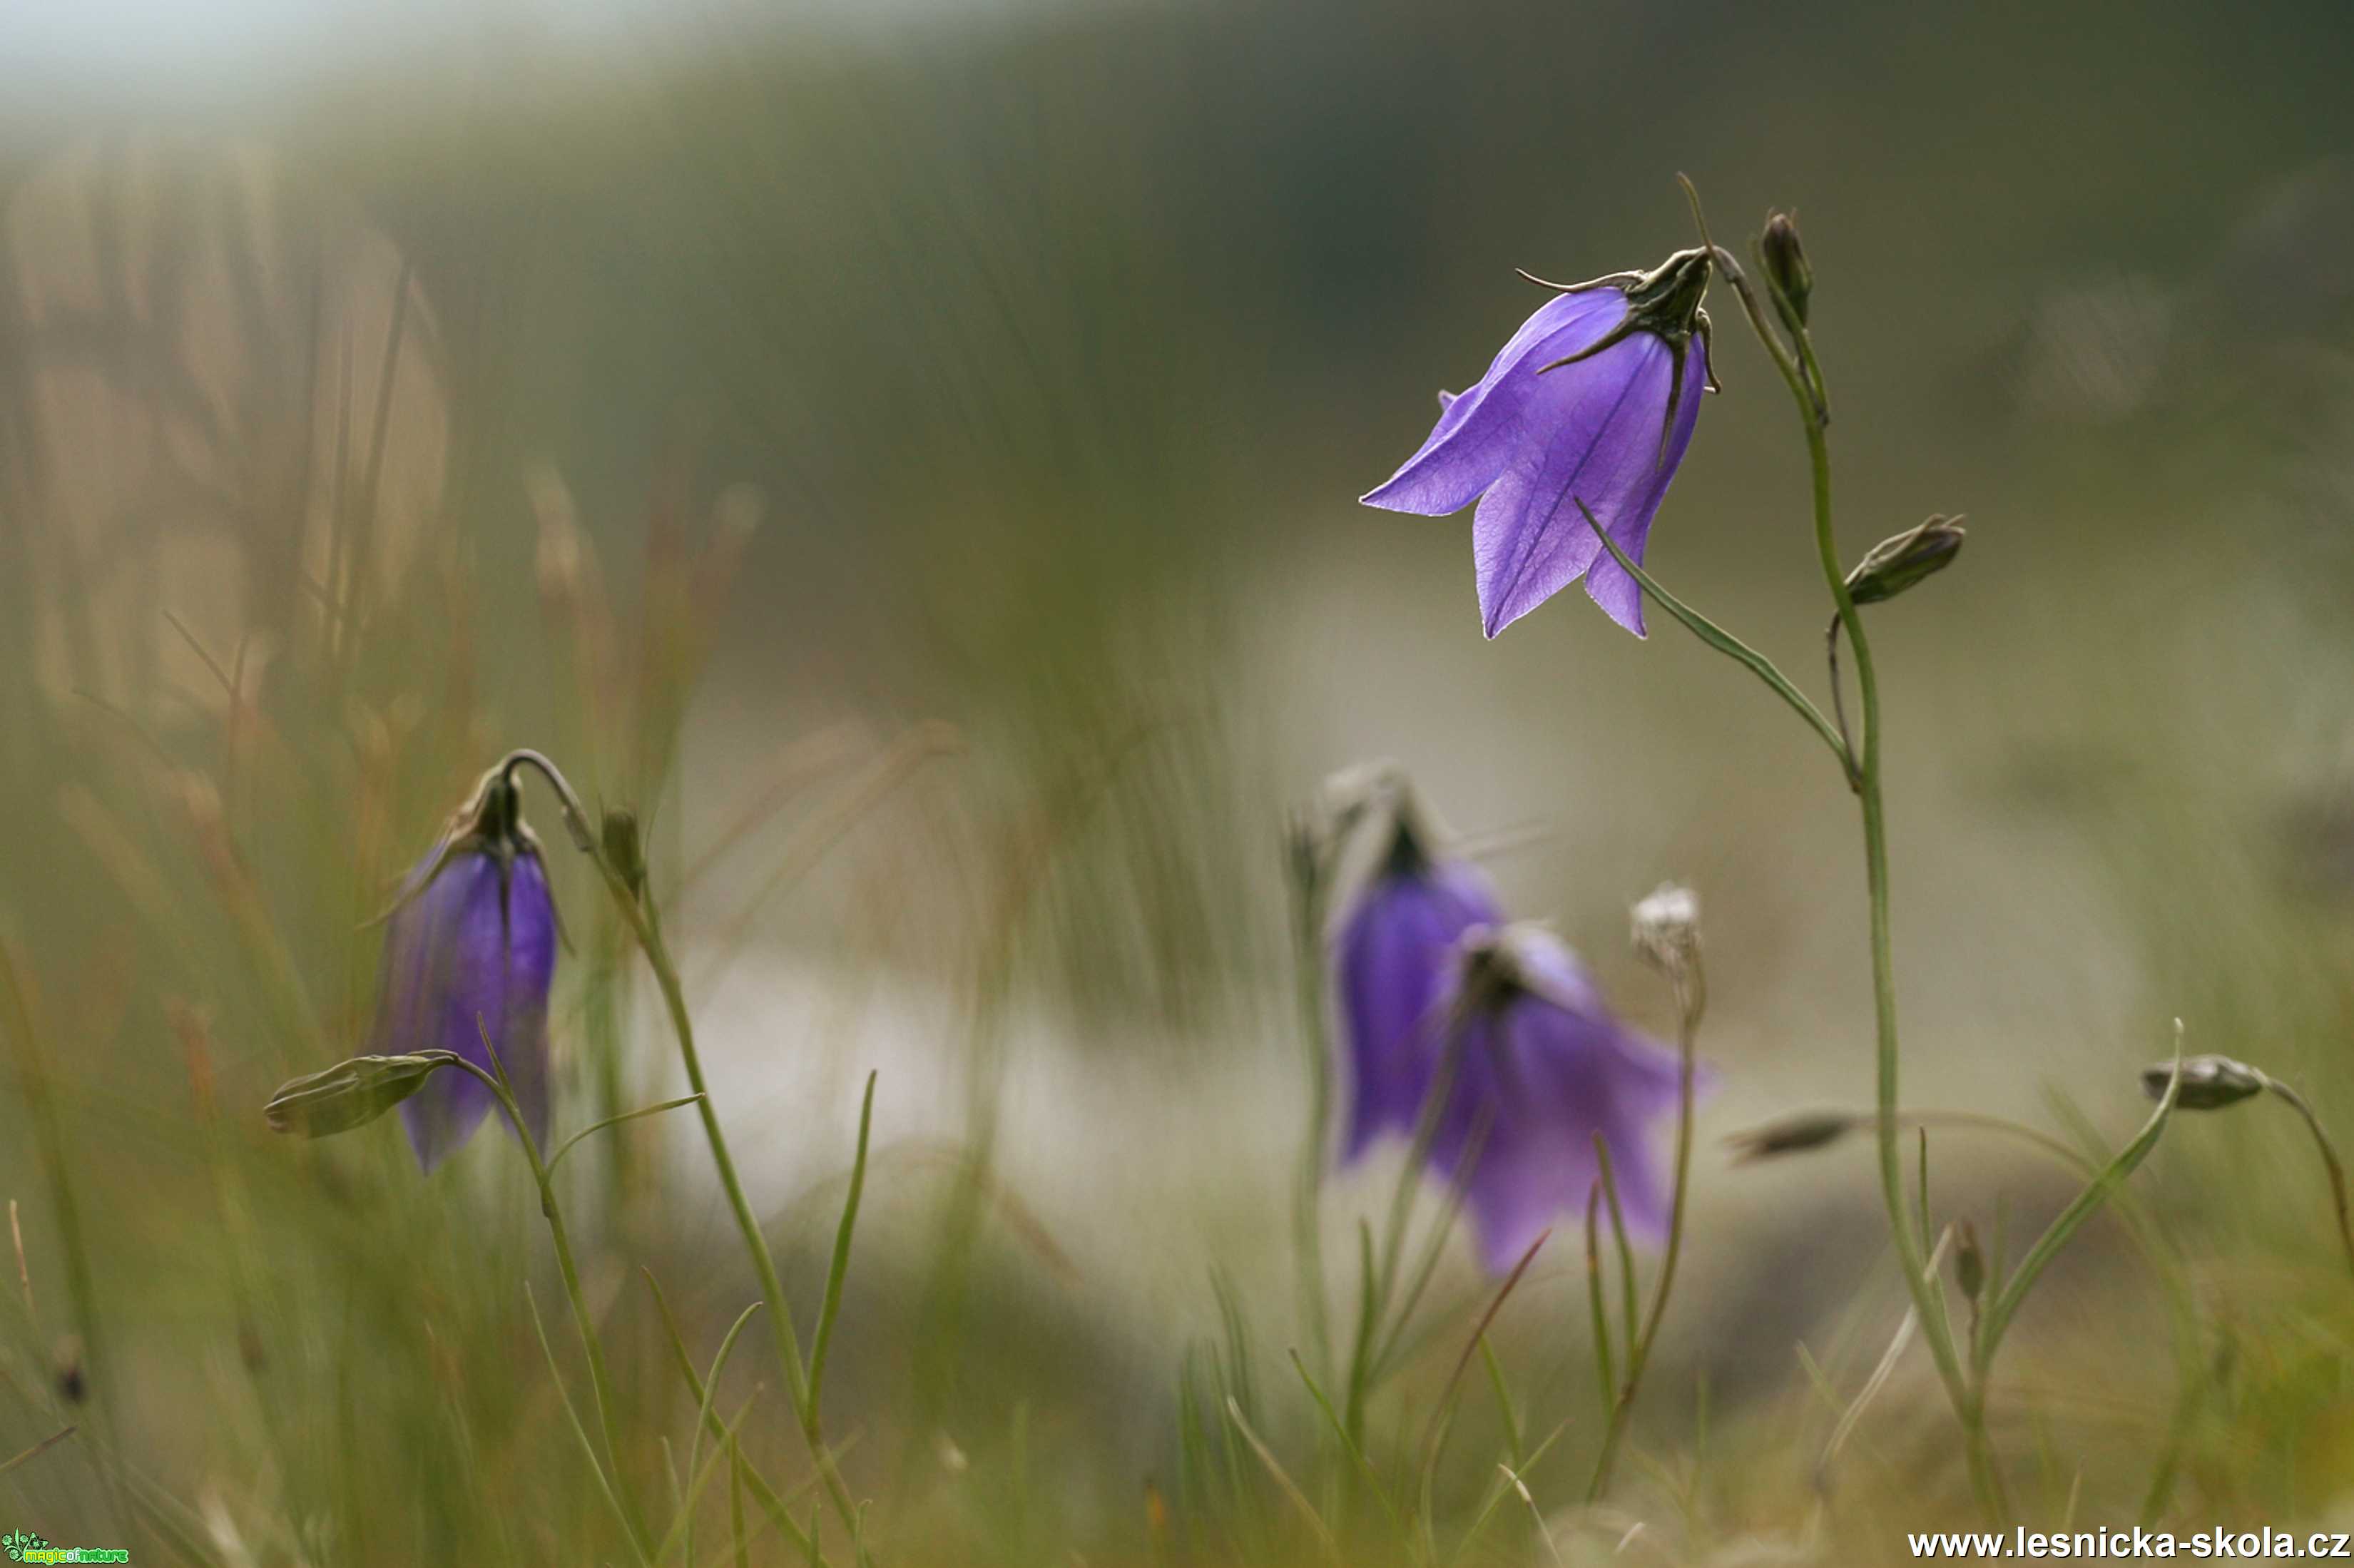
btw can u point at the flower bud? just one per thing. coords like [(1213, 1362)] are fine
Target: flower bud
[(1969, 1262), (1667, 929), (1785, 261), (350, 1094), (623, 851), (1896, 564), (1793, 1134), (2208, 1083)]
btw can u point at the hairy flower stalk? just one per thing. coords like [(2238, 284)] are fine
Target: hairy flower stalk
[(1594, 399)]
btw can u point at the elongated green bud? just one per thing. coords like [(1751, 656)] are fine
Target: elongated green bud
[(2208, 1083), (350, 1094), (1895, 565), (624, 851), (1786, 262)]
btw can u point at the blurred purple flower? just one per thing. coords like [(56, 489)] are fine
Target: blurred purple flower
[(1539, 1065), (1395, 953), (473, 937), (1593, 400)]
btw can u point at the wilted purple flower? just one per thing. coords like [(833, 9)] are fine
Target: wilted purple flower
[(1539, 1065), (470, 950), (1593, 400), (1395, 957)]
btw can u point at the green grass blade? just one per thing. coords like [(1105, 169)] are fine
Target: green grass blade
[(604, 1482), (703, 1415), (840, 1268)]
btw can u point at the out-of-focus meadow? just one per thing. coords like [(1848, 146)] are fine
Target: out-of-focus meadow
[(910, 457)]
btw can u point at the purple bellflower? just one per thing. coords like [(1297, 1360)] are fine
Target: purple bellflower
[(1538, 1066), (470, 950), (1393, 954), (1593, 401)]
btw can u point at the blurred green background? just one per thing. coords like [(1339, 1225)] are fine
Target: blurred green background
[(910, 452)]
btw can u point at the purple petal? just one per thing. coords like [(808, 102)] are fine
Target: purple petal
[(1534, 1082), (1604, 423), (1480, 428), (1396, 966), (1607, 583), (466, 949)]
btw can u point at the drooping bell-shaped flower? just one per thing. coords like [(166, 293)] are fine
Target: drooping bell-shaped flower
[(1593, 401), (1538, 1067), (1394, 955), (470, 950)]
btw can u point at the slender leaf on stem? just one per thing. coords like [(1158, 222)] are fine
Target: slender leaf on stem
[(565, 1148), (2071, 1219), (840, 1268), (1724, 642)]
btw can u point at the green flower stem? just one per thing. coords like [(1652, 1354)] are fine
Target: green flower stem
[(600, 1378), (2329, 1160), (1928, 1299), (645, 925), (1691, 998), (1801, 374)]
